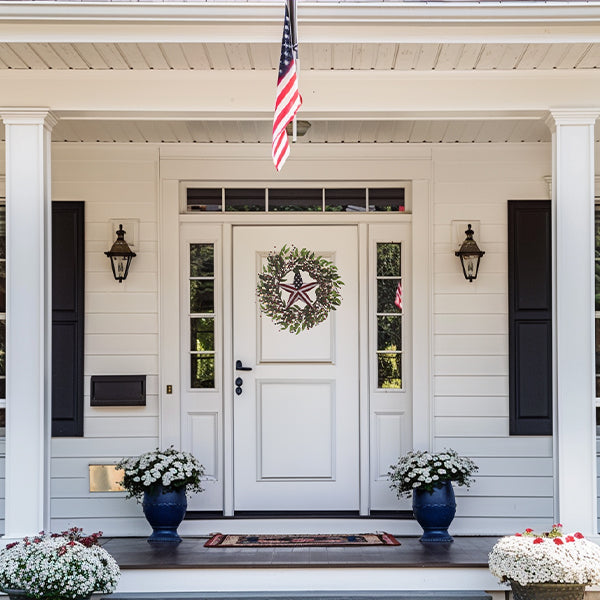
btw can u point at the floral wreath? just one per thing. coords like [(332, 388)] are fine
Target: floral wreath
[(287, 314)]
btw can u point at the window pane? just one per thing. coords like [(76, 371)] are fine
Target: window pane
[(346, 199), (202, 296), (2, 231), (290, 200), (204, 199), (2, 286), (597, 231), (2, 349), (389, 333), (203, 334), (597, 323), (386, 295), (388, 260), (389, 371), (203, 371), (245, 200), (202, 259), (386, 199)]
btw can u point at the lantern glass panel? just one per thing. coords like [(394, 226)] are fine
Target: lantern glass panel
[(470, 264), (120, 265)]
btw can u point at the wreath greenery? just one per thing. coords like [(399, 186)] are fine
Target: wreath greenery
[(292, 317)]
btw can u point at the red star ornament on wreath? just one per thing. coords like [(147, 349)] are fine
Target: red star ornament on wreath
[(298, 293)]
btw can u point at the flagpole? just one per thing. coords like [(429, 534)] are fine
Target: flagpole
[(294, 20)]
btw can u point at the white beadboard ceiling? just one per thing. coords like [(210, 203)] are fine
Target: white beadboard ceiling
[(367, 132), (264, 56)]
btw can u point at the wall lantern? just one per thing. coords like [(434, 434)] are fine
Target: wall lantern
[(120, 256), (469, 255)]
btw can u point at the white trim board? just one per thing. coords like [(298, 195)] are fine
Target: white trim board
[(339, 579)]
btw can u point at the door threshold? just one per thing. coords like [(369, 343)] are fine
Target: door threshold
[(195, 515)]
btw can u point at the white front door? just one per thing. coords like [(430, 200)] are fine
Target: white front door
[(296, 421)]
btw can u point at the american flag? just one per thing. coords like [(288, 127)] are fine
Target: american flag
[(288, 97), (398, 300)]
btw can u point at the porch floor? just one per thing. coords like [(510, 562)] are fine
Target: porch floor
[(137, 553)]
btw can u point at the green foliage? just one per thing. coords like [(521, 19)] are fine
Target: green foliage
[(327, 294)]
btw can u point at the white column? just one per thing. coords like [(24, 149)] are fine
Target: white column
[(574, 365), (29, 319)]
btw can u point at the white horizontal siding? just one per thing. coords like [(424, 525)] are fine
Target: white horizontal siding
[(121, 329), (514, 486)]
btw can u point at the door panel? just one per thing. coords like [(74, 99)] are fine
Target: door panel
[(296, 422)]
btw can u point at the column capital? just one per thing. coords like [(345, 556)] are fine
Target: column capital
[(572, 116), (28, 116)]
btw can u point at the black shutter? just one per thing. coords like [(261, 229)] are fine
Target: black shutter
[(67, 318), (530, 317)]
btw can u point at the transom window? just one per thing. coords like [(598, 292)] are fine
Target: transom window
[(295, 199)]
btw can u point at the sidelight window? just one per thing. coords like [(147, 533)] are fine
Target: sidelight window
[(389, 315), (202, 315)]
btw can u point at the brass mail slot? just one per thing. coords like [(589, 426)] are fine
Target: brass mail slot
[(105, 478)]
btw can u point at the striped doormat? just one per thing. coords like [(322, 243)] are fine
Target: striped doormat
[(220, 540)]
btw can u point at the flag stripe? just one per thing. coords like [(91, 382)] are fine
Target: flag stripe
[(288, 104), (287, 114)]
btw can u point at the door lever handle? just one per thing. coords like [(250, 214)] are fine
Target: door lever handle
[(240, 367)]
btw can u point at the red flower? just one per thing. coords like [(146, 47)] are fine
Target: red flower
[(538, 541), (578, 535), (558, 541), (11, 545), (569, 538), (529, 530), (559, 524), (519, 534)]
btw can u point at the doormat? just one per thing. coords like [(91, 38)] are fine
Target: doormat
[(220, 540)]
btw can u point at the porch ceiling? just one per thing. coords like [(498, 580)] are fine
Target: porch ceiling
[(321, 131), (314, 56), (326, 131)]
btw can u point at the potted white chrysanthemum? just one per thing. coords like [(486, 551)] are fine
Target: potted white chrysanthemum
[(428, 476), (162, 478), (57, 566), (546, 566)]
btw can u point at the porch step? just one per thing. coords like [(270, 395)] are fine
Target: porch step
[(306, 595)]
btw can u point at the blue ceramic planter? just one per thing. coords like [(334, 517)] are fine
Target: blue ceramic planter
[(434, 512), (164, 509)]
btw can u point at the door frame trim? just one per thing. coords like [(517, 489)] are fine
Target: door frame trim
[(170, 219)]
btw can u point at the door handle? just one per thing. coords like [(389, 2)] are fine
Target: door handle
[(240, 367)]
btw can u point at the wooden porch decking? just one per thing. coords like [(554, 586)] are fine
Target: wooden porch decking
[(137, 553)]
